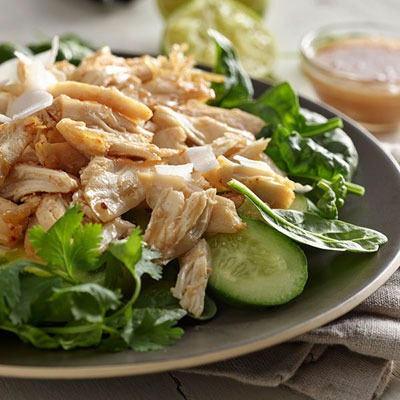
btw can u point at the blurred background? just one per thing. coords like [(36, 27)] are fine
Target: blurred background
[(138, 26)]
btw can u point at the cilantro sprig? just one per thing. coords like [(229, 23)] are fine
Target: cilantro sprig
[(76, 296)]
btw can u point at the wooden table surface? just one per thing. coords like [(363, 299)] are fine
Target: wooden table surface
[(137, 27)]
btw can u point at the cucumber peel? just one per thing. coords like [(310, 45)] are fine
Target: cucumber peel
[(257, 266)]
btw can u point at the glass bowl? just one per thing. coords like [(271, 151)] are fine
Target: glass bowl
[(355, 67)]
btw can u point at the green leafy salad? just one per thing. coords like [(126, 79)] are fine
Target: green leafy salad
[(162, 218)]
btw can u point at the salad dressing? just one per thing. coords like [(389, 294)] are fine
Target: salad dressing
[(377, 59), (360, 77)]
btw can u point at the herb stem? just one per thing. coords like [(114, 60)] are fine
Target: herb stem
[(317, 129), (353, 188), (69, 329)]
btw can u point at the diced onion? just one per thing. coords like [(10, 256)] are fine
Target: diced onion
[(37, 76), (29, 103), (247, 162), (8, 70), (202, 158), (184, 170), (299, 188)]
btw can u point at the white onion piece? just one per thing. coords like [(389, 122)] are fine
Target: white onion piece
[(8, 70), (4, 118), (48, 58), (29, 103), (37, 77), (299, 188), (184, 170), (22, 57), (247, 162), (202, 158)]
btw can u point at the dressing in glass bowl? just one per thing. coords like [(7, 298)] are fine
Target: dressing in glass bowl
[(356, 69)]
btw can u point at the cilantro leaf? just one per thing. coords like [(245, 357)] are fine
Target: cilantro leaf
[(146, 264), (153, 328), (33, 302), (129, 250), (138, 259), (73, 340), (69, 301), (89, 301), (68, 244), (31, 334), (10, 287)]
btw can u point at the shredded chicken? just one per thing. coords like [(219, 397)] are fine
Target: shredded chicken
[(199, 130), (113, 98), (25, 179), (195, 268), (14, 220), (14, 138), (111, 187), (50, 209), (232, 117), (115, 141), (271, 187), (177, 223), (224, 218)]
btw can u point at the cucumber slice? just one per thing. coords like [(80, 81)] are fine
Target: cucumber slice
[(257, 266)]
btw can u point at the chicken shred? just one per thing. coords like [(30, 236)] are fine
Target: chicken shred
[(100, 145), (177, 223), (190, 287)]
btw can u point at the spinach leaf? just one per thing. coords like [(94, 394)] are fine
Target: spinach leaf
[(313, 230), (236, 87), (71, 48), (302, 157), (333, 139)]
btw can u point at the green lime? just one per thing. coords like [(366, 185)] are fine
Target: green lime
[(167, 7), (253, 42), (259, 6)]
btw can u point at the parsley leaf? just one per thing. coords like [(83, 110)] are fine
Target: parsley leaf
[(137, 259), (50, 305), (152, 328), (33, 304), (10, 288), (68, 244), (89, 301)]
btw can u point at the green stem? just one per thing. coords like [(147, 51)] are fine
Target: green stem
[(69, 329), (130, 302), (317, 129), (353, 188)]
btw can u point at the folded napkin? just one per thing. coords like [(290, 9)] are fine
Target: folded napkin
[(349, 359)]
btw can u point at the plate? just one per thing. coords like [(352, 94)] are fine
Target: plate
[(337, 283)]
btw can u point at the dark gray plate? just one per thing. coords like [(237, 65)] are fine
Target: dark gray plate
[(337, 283)]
